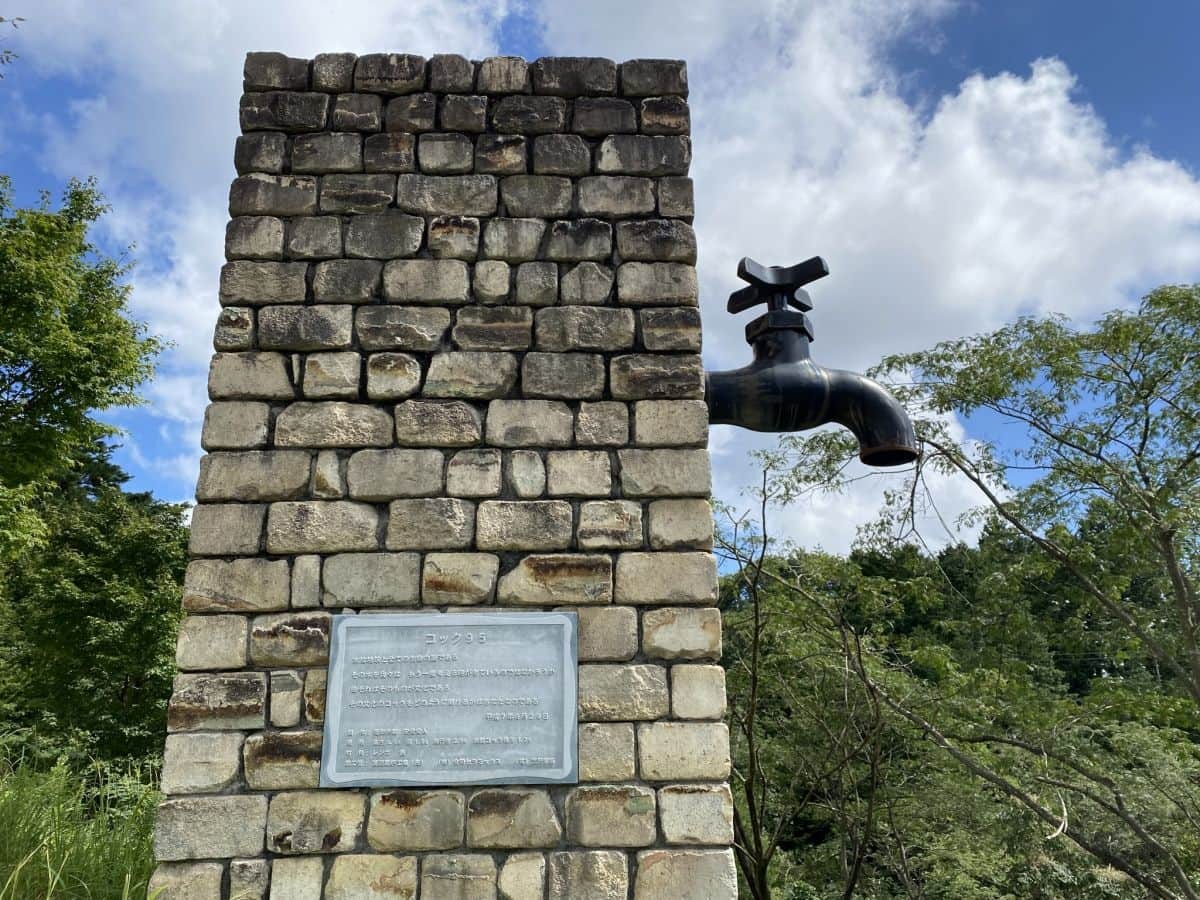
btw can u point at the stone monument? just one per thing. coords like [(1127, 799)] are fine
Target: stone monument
[(458, 430)]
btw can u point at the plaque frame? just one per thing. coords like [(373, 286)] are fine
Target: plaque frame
[(332, 777)]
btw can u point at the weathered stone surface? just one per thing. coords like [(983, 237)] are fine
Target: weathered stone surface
[(346, 280), (614, 196), (491, 281), (578, 239), (333, 424), (537, 283), (202, 763), (609, 525), (539, 196), (333, 72), (225, 702), (449, 72), (684, 524), (315, 237), (500, 154), (413, 113), (410, 328), (570, 375), (238, 585), (684, 751), (698, 692), (584, 328), (392, 376), (588, 875), (253, 475), (566, 578), (522, 877), (666, 578), (464, 113), (607, 633), (652, 77), (657, 240), (525, 474), (657, 284), (571, 76), (473, 473), (287, 693), (603, 424), (372, 579), (676, 198), (321, 526), (226, 529), (682, 633), (282, 760), (665, 115), (314, 822), (274, 72), (459, 578), (389, 73), (437, 423), (578, 473), (254, 237), (356, 193), (248, 879), (503, 75), (426, 281), (665, 473), (529, 115), (372, 876), (445, 153), (258, 194), (234, 329), (447, 195), (393, 151), (606, 751), (357, 112), (639, 154), (561, 154), (186, 881), (290, 639), (529, 423), (211, 642), (458, 876), (439, 523), (671, 328), (323, 327), (510, 818), (645, 376), (615, 693), (587, 284), (314, 695), (670, 422), (261, 151), (514, 240), (377, 475), (474, 375), (601, 116), (297, 879), (332, 376), (209, 827), (695, 874), (611, 816), (247, 282), (454, 237), (384, 235), (533, 525), (327, 152), (235, 426), (329, 482), (496, 328), (290, 111)]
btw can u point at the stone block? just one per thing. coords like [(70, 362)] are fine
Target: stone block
[(333, 424), (454, 237), (676, 198), (698, 692), (670, 422), (258, 194), (377, 475), (641, 154), (568, 375), (537, 196), (514, 240), (684, 524), (612, 816), (234, 329), (254, 237), (290, 639), (314, 695), (603, 424), (389, 73), (615, 693), (332, 376), (439, 523), (392, 376), (473, 473), (260, 151), (657, 240), (315, 237), (426, 281), (606, 751), (522, 877), (579, 239), (684, 751), (209, 827), (225, 702), (413, 113), (356, 193), (235, 425), (321, 526), (519, 114), (665, 473), (459, 578), (236, 585), (253, 475), (411, 328), (248, 879), (297, 879), (652, 77), (200, 763), (561, 154), (372, 579), (587, 284), (282, 760), (329, 482), (449, 72), (314, 822), (471, 374), (525, 474), (458, 876), (671, 328), (322, 327), (274, 72), (531, 525), (529, 423), (384, 235), (503, 75), (445, 153), (588, 875), (665, 115), (616, 196), (327, 152), (490, 283), (657, 284), (609, 525), (558, 579), (647, 376), (306, 582), (572, 76), (211, 642), (346, 280), (662, 578), (372, 876), (699, 874), (578, 473), (247, 282), (392, 151), (537, 283), (495, 328), (673, 633), (186, 881), (357, 112), (333, 72), (437, 423), (447, 195), (584, 328), (287, 693), (289, 111), (226, 529), (512, 818), (602, 116), (500, 154)]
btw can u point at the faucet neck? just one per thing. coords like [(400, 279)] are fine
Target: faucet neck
[(780, 335)]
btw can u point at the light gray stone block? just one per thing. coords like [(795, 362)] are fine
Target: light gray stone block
[(473, 473), (426, 281), (253, 475), (254, 237), (236, 585), (371, 579), (210, 827), (524, 525), (378, 475), (437, 423), (235, 425), (603, 424), (529, 423), (622, 693), (211, 642), (333, 424), (665, 578), (389, 73), (558, 579), (512, 818), (327, 152), (454, 237), (260, 194), (411, 328), (587, 284), (321, 526), (303, 822), (332, 376), (200, 763), (447, 195), (459, 578), (612, 816), (384, 235), (609, 525), (439, 523)]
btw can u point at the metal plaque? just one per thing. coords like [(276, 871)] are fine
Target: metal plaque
[(451, 698)]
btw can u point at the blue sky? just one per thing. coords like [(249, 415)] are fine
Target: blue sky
[(956, 163)]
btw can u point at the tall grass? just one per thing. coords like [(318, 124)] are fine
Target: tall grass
[(66, 834)]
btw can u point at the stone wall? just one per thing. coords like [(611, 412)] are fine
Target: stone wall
[(457, 368)]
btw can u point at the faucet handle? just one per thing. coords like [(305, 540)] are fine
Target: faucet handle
[(776, 286)]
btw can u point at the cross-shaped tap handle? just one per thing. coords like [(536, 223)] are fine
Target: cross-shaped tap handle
[(777, 286)]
